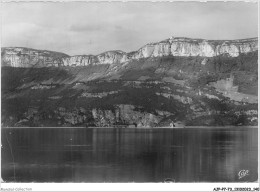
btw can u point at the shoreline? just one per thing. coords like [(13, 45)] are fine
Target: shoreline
[(184, 127)]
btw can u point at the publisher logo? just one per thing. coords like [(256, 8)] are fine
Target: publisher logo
[(243, 173)]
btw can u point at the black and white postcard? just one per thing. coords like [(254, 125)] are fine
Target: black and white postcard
[(130, 93)]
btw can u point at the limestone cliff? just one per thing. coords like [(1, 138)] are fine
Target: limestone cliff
[(178, 46), (108, 57), (111, 57), (175, 46), (26, 57), (78, 60)]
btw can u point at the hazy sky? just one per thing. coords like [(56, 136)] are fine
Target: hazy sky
[(91, 28)]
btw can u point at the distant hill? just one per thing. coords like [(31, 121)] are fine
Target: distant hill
[(175, 82), (174, 46)]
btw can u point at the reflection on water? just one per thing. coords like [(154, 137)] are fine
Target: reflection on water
[(128, 155)]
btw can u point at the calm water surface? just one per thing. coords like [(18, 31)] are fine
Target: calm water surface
[(128, 155)]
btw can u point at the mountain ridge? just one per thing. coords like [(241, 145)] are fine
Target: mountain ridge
[(160, 85), (173, 46)]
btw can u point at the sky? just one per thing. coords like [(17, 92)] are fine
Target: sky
[(77, 28)]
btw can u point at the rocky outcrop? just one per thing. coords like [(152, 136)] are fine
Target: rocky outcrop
[(111, 57), (108, 57), (174, 46), (126, 114), (121, 115), (98, 95), (178, 46), (182, 99), (25, 57), (80, 60)]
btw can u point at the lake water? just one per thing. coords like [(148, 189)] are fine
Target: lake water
[(129, 155)]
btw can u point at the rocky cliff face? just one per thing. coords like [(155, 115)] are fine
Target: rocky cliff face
[(108, 57), (175, 46), (120, 115), (25, 57), (125, 114), (178, 46), (80, 60)]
